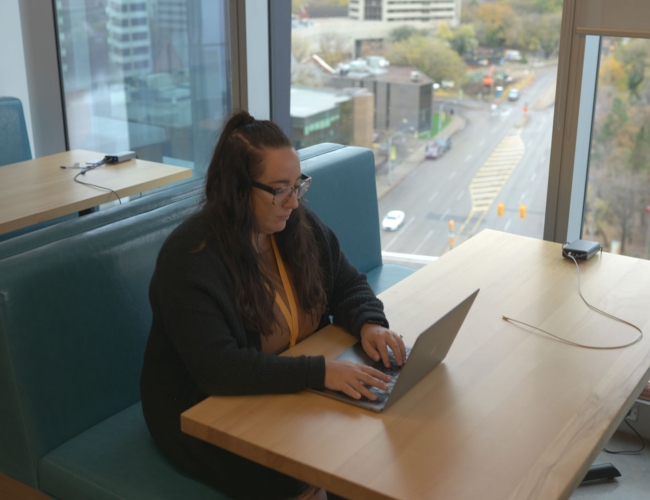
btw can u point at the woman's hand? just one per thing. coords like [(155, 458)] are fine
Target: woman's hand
[(349, 378), (375, 340)]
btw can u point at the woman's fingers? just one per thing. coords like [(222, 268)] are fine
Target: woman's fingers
[(377, 342), (374, 374), (353, 379)]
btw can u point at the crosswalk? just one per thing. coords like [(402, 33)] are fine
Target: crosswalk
[(488, 181)]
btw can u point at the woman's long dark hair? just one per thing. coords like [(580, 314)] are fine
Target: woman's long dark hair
[(238, 160)]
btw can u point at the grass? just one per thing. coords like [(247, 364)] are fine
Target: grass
[(434, 126)]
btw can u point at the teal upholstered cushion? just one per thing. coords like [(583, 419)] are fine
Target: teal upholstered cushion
[(344, 195), (117, 459), (382, 277), (189, 193), (74, 321)]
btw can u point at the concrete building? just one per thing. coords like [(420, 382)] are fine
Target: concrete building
[(403, 95), (344, 116), (129, 39), (396, 11)]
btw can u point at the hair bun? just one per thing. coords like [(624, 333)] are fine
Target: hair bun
[(243, 118)]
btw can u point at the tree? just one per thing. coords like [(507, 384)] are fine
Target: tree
[(635, 57), (404, 32), (300, 48), (334, 48), (492, 23), (462, 38), (430, 55), (544, 32), (537, 6), (611, 74)]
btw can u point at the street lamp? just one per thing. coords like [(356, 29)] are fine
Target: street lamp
[(390, 150)]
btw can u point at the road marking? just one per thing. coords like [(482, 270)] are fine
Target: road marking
[(400, 233), (445, 213), (452, 175), (432, 197), (460, 195), (469, 157), (417, 248), (489, 180), (532, 177), (541, 160), (505, 228), (481, 143), (521, 198)]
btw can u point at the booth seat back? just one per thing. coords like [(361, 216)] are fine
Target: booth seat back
[(47, 232), (14, 141), (344, 195), (74, 320)]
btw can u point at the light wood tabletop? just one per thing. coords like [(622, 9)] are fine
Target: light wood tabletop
[(37, 190), (511, 413)]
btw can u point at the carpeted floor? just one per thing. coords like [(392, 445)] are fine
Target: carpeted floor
[(634, 483)]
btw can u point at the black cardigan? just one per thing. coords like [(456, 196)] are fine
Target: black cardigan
[(198, 345)]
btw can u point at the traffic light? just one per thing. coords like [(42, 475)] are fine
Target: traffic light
[(500, 209), (522, 211)]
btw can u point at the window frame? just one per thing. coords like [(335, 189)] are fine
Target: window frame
[(582, 20)]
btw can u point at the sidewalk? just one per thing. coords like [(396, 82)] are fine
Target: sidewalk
[(384, 184)]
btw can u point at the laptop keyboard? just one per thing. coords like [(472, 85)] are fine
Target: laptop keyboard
[(392, 371)]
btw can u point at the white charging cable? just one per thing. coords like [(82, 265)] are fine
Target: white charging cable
[(590, 307)]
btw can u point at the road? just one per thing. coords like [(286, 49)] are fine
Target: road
[(501, 156)]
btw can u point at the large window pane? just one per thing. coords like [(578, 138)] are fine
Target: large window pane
[(617, 206), (145, 75), (398, 76)]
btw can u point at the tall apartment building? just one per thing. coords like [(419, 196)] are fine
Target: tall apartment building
[(129, 39), (405, 10)]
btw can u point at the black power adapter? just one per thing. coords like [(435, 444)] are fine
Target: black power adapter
[(581, 249), (120, 157)]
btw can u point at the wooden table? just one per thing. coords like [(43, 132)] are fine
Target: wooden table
[(510, 414), (37, 190)]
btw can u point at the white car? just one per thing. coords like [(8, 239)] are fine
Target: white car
[(393, 220), (513, 95)]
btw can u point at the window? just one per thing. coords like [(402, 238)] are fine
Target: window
[(617, 204), (483, 78), (157, 85)]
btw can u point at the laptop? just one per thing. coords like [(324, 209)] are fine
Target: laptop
[(429, 350)]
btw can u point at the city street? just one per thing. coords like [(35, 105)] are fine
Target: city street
[(501, 156)]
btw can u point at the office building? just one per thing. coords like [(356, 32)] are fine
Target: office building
[(396, 11), (129, 37), (343, 116), (403, 95)]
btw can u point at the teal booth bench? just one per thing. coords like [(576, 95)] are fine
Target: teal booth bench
[(74, 319)]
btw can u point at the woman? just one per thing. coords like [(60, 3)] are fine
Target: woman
[(244, 279)]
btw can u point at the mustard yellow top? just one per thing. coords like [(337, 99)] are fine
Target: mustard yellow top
[(295, 323)]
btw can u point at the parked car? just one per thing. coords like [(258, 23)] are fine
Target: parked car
[(437, 149), (444, 143), (513, 95), (393, 220), (433, 152)]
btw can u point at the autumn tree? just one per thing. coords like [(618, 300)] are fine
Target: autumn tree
[(334, 48), (635, 57), (405, 32), (462, 38), (545, 32), (493, 20), (430, 55)]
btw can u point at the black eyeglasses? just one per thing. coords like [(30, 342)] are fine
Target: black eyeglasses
[(282, 194)]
